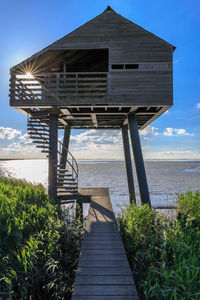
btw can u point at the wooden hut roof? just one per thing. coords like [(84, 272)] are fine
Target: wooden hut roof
[(108, 17)]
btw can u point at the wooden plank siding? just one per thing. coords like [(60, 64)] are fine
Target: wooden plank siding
[(103, 268), (124, 43)]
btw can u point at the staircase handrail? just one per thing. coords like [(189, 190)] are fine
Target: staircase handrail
[(67, 151)]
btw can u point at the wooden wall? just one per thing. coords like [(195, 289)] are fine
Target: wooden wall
[(127, 43)]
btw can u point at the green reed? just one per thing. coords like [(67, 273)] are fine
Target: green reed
[(164, 254), (39, 244)]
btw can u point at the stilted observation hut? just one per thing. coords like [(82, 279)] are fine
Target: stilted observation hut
[(107, 74)]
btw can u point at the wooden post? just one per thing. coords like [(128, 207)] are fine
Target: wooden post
[(129, 170), (139, 162), (53, 145), (79, 211), (65, 148)]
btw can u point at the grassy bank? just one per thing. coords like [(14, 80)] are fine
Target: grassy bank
[(39, 244), (164, 254)]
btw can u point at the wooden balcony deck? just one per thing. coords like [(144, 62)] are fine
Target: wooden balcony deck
[(57, 87), (103, 268)]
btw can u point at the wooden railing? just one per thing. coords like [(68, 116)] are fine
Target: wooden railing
[(58, 86)]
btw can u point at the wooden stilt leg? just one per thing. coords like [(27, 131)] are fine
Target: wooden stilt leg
[(128, 163), (139, 162), (66, 146), (53, 135)]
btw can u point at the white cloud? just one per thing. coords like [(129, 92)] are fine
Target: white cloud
[(97, 144), (198, 105), (176, 132), (149, 130), (8, 133), (168, 131), (20, 146)]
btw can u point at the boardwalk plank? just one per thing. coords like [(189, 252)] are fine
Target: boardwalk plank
[(104, 263), (104, 251), (112, 279), (104, 297), (112, 290), (103, 269), (100, 257)]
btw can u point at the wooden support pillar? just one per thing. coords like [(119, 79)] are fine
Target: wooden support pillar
[(139, 162), (129, 170), (66, 139), (53, 146)]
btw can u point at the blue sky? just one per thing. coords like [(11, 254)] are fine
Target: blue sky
[(29, 26)]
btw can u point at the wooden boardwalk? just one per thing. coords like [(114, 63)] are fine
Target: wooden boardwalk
[(103, 269)]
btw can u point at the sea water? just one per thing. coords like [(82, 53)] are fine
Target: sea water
[(165, 178)]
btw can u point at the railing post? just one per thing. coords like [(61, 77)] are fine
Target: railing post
[(76, 84), (53, 147), (108, 83)]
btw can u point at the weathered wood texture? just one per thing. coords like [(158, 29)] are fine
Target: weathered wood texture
[(127, 43), (128, 162), (103, 269), (139, 161), (53, 135)]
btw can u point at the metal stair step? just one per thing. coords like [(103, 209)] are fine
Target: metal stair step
[(66, 180), (36, 131), (60, 185), (67, 188), (37, 124), (42, 146), (39, 135), (63, 176), (40, 142), (62, 171), (62, 193)]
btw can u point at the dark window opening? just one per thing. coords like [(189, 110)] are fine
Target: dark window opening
[(79, 60), (94, 60), (117, 67), (131, 66)]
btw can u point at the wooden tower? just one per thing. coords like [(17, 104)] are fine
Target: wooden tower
[(107, 74)]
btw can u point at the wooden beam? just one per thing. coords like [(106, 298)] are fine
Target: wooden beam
[(63, 121), (23, 111)]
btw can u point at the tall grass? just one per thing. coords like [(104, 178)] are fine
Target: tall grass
[(39, 244), (164, 255)]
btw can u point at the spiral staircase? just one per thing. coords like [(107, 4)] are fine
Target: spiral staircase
[(67, 172)]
